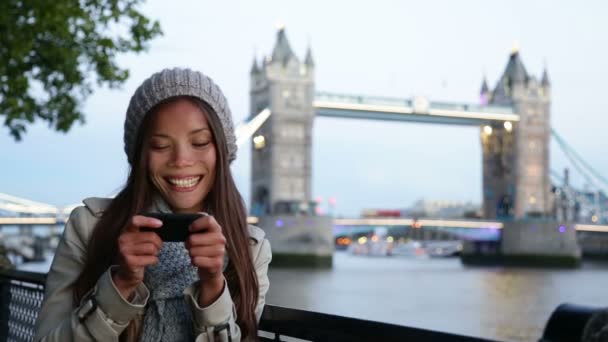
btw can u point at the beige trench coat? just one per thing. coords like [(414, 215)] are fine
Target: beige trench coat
[(103, 314)]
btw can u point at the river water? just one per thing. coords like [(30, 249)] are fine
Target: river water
[(506, 304)]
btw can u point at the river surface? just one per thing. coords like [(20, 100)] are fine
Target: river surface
[(506, 304)]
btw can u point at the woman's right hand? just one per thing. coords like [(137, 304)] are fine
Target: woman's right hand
[(136, 250)]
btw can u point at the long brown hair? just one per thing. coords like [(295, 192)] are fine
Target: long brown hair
[(224, 202)]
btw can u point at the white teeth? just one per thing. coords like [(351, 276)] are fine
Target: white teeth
[(184, 182)]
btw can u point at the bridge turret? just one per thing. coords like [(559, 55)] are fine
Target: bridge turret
[(516, 156), (282, 52), (512, 82), (281, 159)]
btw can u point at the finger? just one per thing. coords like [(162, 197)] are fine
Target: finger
[(207, 251), (140, 260), (210, 264), (143, 249), (148, 237), (130, 239), (205, 222), (206, 239), (139, 221), (134, 238)]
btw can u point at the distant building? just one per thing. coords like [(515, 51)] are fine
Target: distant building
[(444, 209), (579, 206), (425, 208), (367, 213)]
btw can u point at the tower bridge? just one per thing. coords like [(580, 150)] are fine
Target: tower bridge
[(513, 119)]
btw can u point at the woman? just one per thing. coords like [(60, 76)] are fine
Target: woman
[(111, 281)]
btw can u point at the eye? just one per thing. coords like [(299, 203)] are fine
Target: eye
[(201, 143), (158, 146)]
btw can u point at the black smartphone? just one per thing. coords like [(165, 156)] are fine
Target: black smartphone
[(175, 226)]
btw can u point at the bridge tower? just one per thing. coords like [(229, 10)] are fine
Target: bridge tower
[(516, 155), (281, 158)]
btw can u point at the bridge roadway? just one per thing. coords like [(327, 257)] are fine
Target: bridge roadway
[(345, 223)]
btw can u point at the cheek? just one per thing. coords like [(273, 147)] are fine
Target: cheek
[(212, 162), (154, 167)]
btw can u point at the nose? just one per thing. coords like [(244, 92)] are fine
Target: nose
[(182, 157)]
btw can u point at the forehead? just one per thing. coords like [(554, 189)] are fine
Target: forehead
[(179, 114)]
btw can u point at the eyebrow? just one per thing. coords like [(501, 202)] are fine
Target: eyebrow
[(189, 133)]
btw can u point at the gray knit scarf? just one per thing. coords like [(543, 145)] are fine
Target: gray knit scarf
[(167, 316)]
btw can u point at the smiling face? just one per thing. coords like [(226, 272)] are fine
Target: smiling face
[(182, 155)]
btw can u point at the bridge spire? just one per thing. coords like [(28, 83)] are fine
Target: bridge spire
[(308, 60), (484, 93), (545, 78), (282, 51), (515, 72), (254, 67)]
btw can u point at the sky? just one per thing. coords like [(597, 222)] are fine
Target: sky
[(438, 49)]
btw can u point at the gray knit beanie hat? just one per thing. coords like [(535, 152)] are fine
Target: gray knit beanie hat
[(177, 82)]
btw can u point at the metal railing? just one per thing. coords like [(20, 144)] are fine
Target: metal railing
[(21, 295)]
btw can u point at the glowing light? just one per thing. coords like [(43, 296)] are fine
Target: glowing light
[(279, 223), (508, 126), (259, 142), (532, 200), (594, 218), (562, 229), (487, 130), (390, 239), (362, 240), (252, 220), (343, 241), (515, 47), (375, 238)]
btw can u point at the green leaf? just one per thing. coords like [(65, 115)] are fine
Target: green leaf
[(51, 52)]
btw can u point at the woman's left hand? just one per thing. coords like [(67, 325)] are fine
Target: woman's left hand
[(207, 246)]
